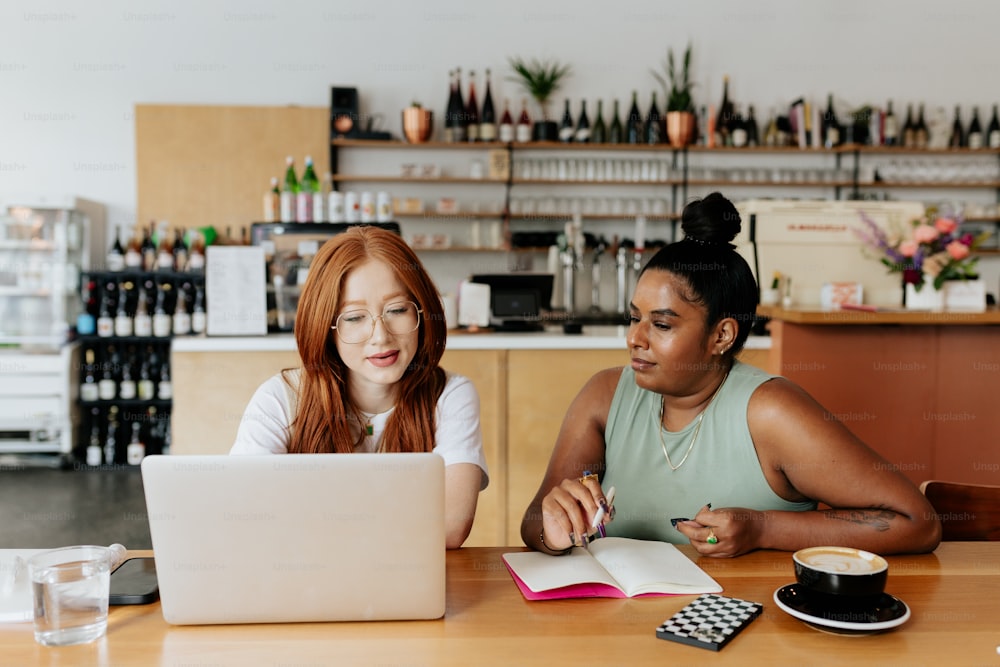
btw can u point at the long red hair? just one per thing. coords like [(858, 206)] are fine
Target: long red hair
[(324, 411)]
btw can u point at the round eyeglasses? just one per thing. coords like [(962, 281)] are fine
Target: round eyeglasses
[(357, 326)]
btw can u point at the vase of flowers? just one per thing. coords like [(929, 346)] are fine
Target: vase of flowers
[(931, 253)]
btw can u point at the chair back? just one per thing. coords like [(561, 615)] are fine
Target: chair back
[(966, 511)]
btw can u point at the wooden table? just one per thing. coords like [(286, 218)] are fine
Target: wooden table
[(952, 595)]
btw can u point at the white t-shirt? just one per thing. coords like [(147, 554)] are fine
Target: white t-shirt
[(458, 438)]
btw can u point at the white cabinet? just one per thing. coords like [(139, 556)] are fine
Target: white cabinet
[(37, 394), (44, 246)]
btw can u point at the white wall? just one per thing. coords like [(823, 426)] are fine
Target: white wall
[(70, 72)]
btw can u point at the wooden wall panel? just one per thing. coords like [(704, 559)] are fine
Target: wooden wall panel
[(199, 166)]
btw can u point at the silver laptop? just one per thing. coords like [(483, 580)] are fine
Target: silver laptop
[(303, 537)]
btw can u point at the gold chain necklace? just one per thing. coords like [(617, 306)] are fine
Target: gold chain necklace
[(697, 427)]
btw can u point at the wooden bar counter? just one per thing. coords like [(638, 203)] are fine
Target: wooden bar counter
[(922, 388), (954, 620)]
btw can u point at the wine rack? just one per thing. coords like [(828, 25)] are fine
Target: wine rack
[(123, 368)]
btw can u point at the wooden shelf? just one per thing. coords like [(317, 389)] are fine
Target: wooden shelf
[(930, 184), (771, 183), (352, 178), (577, 181), (405, 145)]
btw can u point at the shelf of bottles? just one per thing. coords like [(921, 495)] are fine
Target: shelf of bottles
[(149, 292)]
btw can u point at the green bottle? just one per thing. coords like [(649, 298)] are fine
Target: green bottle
[(289, 191), (615, 132), (304, 197), (599, 133)]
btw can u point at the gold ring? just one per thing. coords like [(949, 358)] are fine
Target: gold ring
[(586, 476), (712, 539)]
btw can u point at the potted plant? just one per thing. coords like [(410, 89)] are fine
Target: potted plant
[(541, 79), (418, 123), (677, 84)]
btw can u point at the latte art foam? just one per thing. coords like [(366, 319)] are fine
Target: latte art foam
[(847, 561)]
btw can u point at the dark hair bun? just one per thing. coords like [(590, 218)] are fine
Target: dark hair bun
[(711, 221)]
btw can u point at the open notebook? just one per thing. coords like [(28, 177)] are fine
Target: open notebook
[(297, 537), (614, 567)]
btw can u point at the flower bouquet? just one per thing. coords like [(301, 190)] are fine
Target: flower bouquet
[(931, 249)]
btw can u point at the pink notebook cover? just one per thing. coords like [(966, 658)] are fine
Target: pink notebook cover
[(575, 591)]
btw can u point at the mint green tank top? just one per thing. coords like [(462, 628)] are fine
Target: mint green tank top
[(722, 469)]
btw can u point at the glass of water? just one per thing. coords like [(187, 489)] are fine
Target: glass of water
[(70, 587)]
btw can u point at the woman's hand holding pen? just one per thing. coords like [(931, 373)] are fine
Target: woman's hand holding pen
[(724, 532), (575, 510)]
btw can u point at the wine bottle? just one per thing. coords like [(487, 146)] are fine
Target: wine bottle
[(653, 130), (566, 125), (105, 319), (634, 126), (472, 111), (890, 127), (165, 388), (196, 253), (289, 191), (753, 138), (88, 386), (94, 444), (272, 202), (909, 129), (148, 248), (616, 133), (164, 250), (737, 130), (523, 133), (975, 137), (136, 450), (957, 138), (142, 324), (123, 319), (126, 384), (107, 386), (86, 322), (111, 438), (180, 251), (599, 133), (488, 119), (449, 110), (145, 387), (582, 134), (506, 123), (162, 322), (304, 196), (724, 116), (116, 253), (133, 251), (181, 318), (458, 115), (198, 315), (920, 132), (831, 127), (993, 130)]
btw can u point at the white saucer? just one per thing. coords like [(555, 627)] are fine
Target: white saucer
[(883, 613)]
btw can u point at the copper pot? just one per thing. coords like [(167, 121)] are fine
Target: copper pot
[(418, 124), (680, 128)]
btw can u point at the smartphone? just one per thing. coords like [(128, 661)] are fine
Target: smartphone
[(134, 582)]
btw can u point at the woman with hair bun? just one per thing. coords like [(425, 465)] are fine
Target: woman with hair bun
[(702, 448), (370, 332)]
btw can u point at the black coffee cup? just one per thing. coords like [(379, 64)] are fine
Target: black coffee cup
[(841, 571)]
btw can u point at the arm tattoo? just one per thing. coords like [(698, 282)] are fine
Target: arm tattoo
[(877, 519)]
